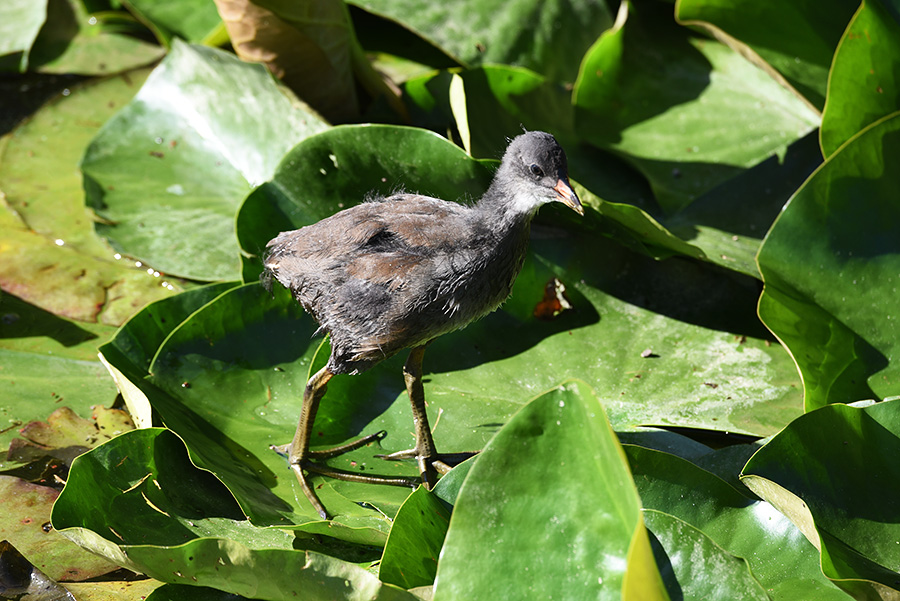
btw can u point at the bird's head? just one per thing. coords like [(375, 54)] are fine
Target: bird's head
[(534, 170)]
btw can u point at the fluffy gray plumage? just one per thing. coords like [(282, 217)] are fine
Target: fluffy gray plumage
[(397, 272)]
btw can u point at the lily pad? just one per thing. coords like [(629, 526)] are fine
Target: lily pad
[(830, 264), (51, 256), (832, 473), (779, 557), (21, 21), (798, 39), (168, 172), (864, 85), (547, 37), (190, 530), (688, 112), (532, 539)]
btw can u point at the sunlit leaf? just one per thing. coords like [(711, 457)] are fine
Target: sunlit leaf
[(688, 112), (864, 84), (20, 22), (169, 171), (50, 255), (550, 510), (831, 264), (797, 39), (139, 501), (547, 37), (832, 473)]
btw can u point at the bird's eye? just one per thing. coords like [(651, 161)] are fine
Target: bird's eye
[(537, 171)]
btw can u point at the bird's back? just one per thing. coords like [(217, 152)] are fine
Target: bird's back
[(390, 274)]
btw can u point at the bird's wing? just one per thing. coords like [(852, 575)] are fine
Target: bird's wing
[(382, 242)]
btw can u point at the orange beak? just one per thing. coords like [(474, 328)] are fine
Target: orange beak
[(566, 195)]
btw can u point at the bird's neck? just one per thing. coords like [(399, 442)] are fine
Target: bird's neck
[(508, 207)]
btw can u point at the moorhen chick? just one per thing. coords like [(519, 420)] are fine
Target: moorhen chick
[(397, 272)]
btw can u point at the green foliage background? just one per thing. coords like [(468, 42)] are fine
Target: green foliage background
[(713, 417)]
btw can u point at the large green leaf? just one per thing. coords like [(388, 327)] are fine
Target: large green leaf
[(74, 41), (730, 221), (51, 256), (865, 79), (777, 553), (20, 22), (797, 38), (694, 566), (25, 523), (191, 20), (689, 112), (833, 473), (53, 140), (36, 384), (139, 501), (168, 172), (549, 509), (547, 37), (831, 264)]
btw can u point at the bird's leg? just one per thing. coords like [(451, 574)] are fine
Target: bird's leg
[(425, 450), (301, 458), (429, 461)]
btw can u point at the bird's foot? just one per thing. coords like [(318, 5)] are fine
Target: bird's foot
[(285, 450), (430, 464), (312, 462)]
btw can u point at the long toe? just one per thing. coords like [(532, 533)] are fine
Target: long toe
[(429, 467)]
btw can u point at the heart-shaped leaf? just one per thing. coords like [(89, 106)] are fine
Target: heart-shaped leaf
[(169, 171), (864, 85), (547, 37), (154, 511), (688, 112), (796, 39), (833, 474), (550, 510), (831, 264)]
